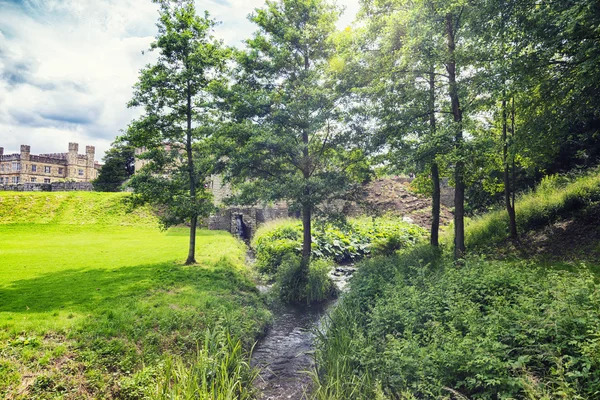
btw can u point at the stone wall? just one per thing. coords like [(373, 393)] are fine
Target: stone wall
[(49, 187), (250, 218)]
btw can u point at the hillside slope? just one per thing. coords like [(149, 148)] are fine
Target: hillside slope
[(558, 221), (392, 196), (77, 208)]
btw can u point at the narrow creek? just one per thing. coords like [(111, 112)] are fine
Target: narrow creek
[(284, 355)]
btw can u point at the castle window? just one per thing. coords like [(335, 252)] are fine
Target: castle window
[(46, 180), (33, 180), (16, 166), (16, 179), (47, 169), (33, 168), (61, 170), (80, 172)]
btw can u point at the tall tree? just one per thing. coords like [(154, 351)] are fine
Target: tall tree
[(118, 167), (176, 126), (286, 142), (402, 53)]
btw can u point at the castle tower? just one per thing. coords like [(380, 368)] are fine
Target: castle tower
[(90, 152), (1, 151), (25, 152), (72, 160)]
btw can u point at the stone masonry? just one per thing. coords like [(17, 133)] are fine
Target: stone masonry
[(26, 168)]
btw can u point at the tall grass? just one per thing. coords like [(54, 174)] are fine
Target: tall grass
[(293, 286), (219, 370), (554, 197)]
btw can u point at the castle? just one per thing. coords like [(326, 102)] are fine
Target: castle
[(25, 167)]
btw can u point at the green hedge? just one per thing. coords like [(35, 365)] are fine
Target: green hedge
[(351, 241)]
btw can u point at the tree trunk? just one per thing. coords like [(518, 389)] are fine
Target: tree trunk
[(435, 173), (306, 204), (512, 215), (507, 186), (191, 259), (307, 238), (459, 193), (435, 205)]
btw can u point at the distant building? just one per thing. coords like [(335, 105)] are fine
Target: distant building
[(48, 168)]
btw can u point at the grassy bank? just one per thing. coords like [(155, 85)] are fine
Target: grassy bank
[(557, 197), (501, 324), (415, 326), (108, 310)]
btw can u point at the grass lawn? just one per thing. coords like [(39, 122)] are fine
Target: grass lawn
[(88, 310)]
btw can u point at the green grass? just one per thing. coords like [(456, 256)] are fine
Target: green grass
[(72, 208), (555, 197), (97, 309)]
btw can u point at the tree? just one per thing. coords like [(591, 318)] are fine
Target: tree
[(286, 141), (400, 53), (118, 167), (177, 123)]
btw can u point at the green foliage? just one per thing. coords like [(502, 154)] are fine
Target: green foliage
[(220, 369), (554, 197), (294, 286), (176, 128), (319, 287), (424, 328), (118, 167), (291, 280), (349, 242)]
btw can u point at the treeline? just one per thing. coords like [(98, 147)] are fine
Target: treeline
[(492, 94)]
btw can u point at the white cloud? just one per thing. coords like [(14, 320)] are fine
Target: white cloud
[(67, 66)]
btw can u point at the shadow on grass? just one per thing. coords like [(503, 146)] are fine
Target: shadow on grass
[(574, 239), (85, 290)]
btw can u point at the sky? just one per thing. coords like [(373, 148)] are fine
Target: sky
[(67, 67)]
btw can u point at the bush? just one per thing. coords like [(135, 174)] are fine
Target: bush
[(291, 280), (294, 286), (342, 243), (319, 287), (387, 246), (422, 327)]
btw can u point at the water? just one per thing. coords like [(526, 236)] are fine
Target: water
[(285, 353)]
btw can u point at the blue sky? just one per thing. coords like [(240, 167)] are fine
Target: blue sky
[(67, 66)]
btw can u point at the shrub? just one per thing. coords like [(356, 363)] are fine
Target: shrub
[(387, 246), (294, 287), (291, 280), (422, 327), (270, 253), (339, 242), (319, 287)]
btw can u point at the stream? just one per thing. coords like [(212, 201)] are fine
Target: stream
[(284, 355)]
